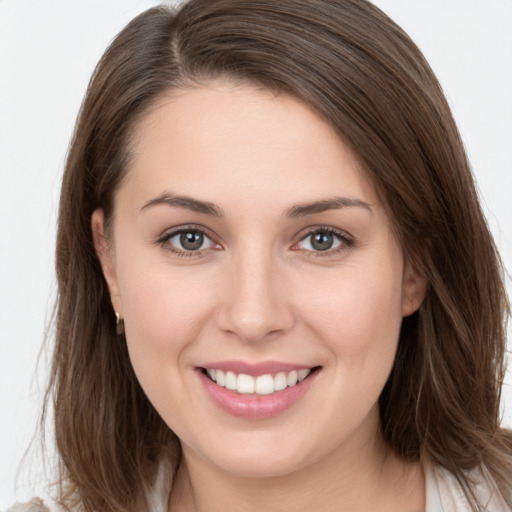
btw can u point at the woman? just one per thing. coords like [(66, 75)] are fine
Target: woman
[(274, 274)]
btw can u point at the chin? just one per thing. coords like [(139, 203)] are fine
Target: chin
[(259, 457), (259, 465)]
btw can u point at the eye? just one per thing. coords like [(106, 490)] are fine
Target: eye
[(186, 241), (324, 240)]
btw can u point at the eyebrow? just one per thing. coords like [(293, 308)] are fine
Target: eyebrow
[(335, 203), (186, 202), (296, 211)]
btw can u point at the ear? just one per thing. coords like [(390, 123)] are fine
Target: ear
[(414, 288), (102, 245)]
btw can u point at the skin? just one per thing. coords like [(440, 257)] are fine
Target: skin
[(258, 290)]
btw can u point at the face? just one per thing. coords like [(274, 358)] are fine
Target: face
[(259, 279)]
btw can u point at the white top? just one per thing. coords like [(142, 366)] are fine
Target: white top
[(443, 494)]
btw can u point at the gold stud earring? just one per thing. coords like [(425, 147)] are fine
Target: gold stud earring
[(119, 324)]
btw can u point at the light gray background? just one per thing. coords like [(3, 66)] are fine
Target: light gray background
[(48, 50)]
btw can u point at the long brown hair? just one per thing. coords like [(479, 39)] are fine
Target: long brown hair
[(362, 73)]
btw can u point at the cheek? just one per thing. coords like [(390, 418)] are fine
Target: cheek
[(358, 315), (165, 310), (164, 314), (357, 319)]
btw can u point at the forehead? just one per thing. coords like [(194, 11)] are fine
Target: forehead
[(239, 137)]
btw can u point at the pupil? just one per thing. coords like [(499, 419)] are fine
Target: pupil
[(322, 241), (192, 240)]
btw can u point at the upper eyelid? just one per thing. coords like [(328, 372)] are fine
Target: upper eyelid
[(170, 232), (346, 239), (330, 229), (164, 240), (300, 236)]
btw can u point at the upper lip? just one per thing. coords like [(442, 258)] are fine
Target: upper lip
[(256, 368)]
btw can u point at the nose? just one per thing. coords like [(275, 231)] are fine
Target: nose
[(255, 302)]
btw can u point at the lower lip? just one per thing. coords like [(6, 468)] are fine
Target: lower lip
[(255, 407)]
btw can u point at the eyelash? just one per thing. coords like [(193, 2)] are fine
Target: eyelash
[(346, 241), (164, 241)]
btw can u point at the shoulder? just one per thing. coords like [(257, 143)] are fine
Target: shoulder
[(35, 505), (158, 495), (452, 496)]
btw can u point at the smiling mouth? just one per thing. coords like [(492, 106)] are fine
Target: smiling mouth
[(266, 384)]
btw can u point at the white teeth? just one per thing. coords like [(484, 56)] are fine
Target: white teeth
[(264, 385), (280, 381), (220, 378), (261, 385), (230, 381), (292, 378), (302, 374), (245, 383)]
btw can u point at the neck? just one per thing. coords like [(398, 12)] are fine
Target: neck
[(353, 479)]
